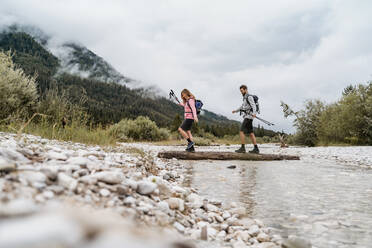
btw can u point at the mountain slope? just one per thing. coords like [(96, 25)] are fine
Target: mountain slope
[(106, 103), (78, 60), (31, 56)]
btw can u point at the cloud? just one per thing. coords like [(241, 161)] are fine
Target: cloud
[(283, 50)]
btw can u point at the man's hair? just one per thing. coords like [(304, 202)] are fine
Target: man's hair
[(243, 86)]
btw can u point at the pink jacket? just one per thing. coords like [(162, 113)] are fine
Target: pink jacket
[(189, 113)]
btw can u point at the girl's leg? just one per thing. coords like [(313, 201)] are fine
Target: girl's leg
[(190, 135), (183, 133)]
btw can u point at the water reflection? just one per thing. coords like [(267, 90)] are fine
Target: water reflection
[(247, 185)]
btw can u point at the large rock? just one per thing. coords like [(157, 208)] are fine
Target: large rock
[(221, 235), (176, 203), (123, 190), (6, 166), (18, 207), (263, 237), (226, 215), (146, 188), (110, 177), (296, 242), (104, 192), (254, 230), (239, 244), (40, 231), (67, 182), (165, 189), (179, 227), (267, 245), (57, 155), (12, 156), (81, 161), (129, 201), (195, 200), (90, 180), (163, 206), (34, 178)]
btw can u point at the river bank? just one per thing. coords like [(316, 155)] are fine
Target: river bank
[(72, 195)]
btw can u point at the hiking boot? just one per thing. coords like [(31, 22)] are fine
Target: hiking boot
[(190, 144), (241, 150), (255, 150), (191, 149)]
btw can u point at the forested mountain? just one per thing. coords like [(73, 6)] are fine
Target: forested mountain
[(74, 58), (31, 56), (106, 103), (79, 60)]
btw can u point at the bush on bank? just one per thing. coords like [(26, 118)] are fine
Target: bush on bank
[(140, 129), (18, 93)]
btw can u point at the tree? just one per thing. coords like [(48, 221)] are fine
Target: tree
[(306, 121), (18, 93)]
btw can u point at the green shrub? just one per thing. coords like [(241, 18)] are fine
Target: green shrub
[(18, 93), (199, 141), (140, 129)]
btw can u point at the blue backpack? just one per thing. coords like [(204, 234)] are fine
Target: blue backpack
[(198, 106)]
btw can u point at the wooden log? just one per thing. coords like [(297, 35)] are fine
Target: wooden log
[(224, 156)]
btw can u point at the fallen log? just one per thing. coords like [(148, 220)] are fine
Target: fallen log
[(224, 156)]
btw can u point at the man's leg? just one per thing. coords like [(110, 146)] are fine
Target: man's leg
[(242, 139), (255, 148), (253, 138)]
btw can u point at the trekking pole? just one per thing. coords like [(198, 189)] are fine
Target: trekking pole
[(171, 94), (264, 121)]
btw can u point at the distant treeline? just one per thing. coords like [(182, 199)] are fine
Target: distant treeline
[(349, 120)]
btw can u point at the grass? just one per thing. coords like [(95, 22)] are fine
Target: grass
[(85, 135)]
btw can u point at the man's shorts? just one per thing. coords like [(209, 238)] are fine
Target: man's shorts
[(247, 126), (187, 124)]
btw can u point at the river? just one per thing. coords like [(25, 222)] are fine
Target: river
[(326, 197)]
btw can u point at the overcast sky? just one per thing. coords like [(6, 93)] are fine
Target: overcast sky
[(283, 50)]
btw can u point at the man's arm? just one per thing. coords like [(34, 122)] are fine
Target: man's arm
[(241, 108)]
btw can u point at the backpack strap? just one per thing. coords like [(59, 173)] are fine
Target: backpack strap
[(187, 102), (246, 98)]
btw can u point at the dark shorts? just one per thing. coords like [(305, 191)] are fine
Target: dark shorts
[(247, 126), (186, 124)]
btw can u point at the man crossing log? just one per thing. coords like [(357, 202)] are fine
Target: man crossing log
[(249, 111)]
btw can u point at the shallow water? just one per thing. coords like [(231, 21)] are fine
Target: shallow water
[(322, 197)]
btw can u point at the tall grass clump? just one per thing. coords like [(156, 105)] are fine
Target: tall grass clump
[(56, 104), (18, 92), (140, 129)]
